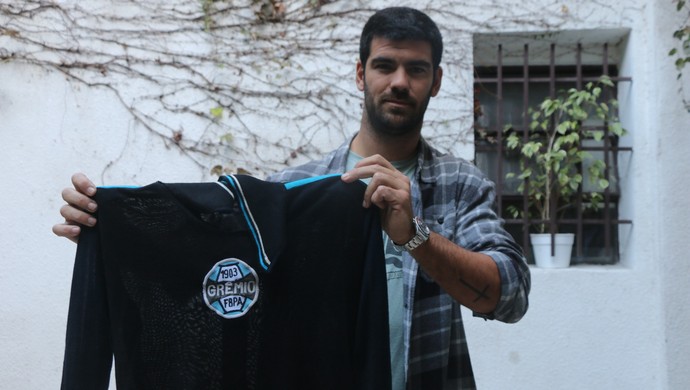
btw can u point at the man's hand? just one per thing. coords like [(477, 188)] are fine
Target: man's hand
[(470, 278), (389, 189), (77, 211)]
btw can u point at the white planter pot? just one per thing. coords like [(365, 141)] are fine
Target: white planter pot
[(541, 246)]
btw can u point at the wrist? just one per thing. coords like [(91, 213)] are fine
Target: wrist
[(421, 235), (411, 232)]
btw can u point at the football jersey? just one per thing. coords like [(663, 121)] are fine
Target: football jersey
[(237, 284)]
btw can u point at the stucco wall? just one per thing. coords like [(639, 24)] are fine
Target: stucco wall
[(622, 326), (673, 218)]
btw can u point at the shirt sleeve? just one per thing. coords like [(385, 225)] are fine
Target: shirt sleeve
[(88, 351), (481, 230)]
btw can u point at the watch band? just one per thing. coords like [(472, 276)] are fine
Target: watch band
[(421, 235)]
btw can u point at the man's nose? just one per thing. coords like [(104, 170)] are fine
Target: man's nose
[(400, 80)]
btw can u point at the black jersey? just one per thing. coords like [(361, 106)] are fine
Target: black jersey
[(238, 284)]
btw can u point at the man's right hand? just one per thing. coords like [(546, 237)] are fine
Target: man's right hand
[(77, 211)]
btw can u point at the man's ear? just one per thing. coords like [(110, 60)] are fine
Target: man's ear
[(437, 81), (359, 74)]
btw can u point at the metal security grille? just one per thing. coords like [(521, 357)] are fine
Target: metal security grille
[(503, 96)]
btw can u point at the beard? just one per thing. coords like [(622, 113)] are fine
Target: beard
[(395, 121)]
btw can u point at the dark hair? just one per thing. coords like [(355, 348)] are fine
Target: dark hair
[(398, 24)]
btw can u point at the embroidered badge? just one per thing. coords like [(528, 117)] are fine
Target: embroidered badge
[(231, 288)]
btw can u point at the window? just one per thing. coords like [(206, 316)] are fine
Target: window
[(514, 73)]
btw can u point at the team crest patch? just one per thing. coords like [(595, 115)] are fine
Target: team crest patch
[(231, 288)]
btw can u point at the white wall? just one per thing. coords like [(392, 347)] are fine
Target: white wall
[(588, 327), (673, 218), (49, 130)]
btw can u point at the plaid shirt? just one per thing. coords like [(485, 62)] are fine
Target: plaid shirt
[(457, 201)]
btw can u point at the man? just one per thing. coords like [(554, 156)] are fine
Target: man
[(444, 243)]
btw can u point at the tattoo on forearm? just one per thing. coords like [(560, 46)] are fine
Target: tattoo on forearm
[(481, 294)]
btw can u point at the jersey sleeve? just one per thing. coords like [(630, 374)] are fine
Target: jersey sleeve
[(88, 351)]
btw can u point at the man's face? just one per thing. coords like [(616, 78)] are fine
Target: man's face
[(398, 82)]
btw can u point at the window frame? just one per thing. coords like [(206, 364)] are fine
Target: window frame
[(579, 221)]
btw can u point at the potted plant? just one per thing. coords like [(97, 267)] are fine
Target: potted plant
[(552, 161)]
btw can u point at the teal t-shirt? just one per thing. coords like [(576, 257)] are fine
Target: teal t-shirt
[(394, 271)]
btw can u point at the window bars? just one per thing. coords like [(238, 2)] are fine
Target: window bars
[(498, 103)]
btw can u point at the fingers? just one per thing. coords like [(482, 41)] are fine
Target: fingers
[(387, 196), (366, 168), (376, 159), (74, 215), (395, 204), (370, 166), (67, 230), (387, 189), (390, 190), (79, 197), (78, 200), (77, 211), (388, 186), (83, 185)]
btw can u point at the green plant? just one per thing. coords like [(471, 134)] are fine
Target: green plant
[(682, 35), (551, 157)]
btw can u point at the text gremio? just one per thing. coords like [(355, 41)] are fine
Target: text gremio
[(237, 288)]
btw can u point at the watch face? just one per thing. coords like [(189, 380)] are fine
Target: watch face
[(421, 225)]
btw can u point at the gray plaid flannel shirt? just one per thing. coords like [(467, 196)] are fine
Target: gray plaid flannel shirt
[(457, 201)]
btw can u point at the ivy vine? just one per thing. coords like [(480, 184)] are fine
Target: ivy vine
[(240, 85), (681, 53)]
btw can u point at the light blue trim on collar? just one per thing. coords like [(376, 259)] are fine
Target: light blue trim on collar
[(130, 186), (249, 218), (292, 184)]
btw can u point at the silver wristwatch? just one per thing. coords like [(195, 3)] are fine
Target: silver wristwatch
[(421, 235)]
